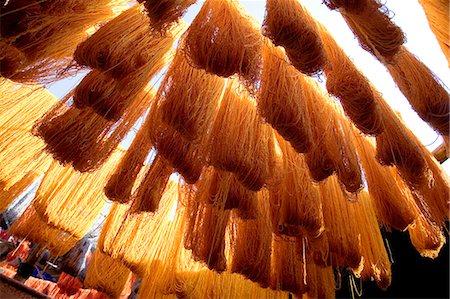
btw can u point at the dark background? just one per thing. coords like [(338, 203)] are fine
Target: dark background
[(413, 276)]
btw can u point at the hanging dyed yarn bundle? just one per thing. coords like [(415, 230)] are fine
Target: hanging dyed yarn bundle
[(288, 24), (392, 200), (222, 190), (423, 89), (123, 45), (120, 185), (72, 201), (224, 41), (32, 227), (189, 98), (163, 13), (148, 195), (378, 35), (437, 15), (342, 235), (289, 266), (332, 150), (244, 147), (118, 76), (205, 232), (39, 37), (295, 207), (21, 153), (374, 29), (83, 138), (280, 100), (347, 83), (427, 237), (107, 275), (187, 158), (252, 243)]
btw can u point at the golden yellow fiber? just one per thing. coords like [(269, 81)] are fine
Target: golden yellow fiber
[(148, 195), (321, 282), (375, 257), (71, 201), (280, 100), (392, 200), (124, 45), (142, 239), (163, 13), (47, 32), (295, 203), (81, 137), (205, 232), (332, 150), (107, 275), (437, 15), (189, 98), (397, 146), (375, 31), (288, 24), (224, 41), (343, 235), (222, 190), (423, 89), (353, 6), (120, 184), (252, 243), (30, 226), (7, 196), (289, 266), (244, 147), (20, 152), (427, 237), (352, 88)]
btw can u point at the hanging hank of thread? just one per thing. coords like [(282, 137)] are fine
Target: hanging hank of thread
[(163, 13), (280, 101), (424, 91), (376, 263), (189, 97), (321, 282), (351, 87), (252, 243), (46, 33), (332, 150), (289, 272), (185, 157), (125, 234), (244, 147), (72, 201), (120, 184), (375, 30), (222, 190), (205, 232), (107, 275), (151, 188), (7, 196), (224, 41), (427, 237), (111, 97), (437, 15), (395, 146), (392, 200), (288, 24), (81, 137), (31, 227), (353, 6), (295, 203), (123, 45), (20, 152), (342, 234)]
